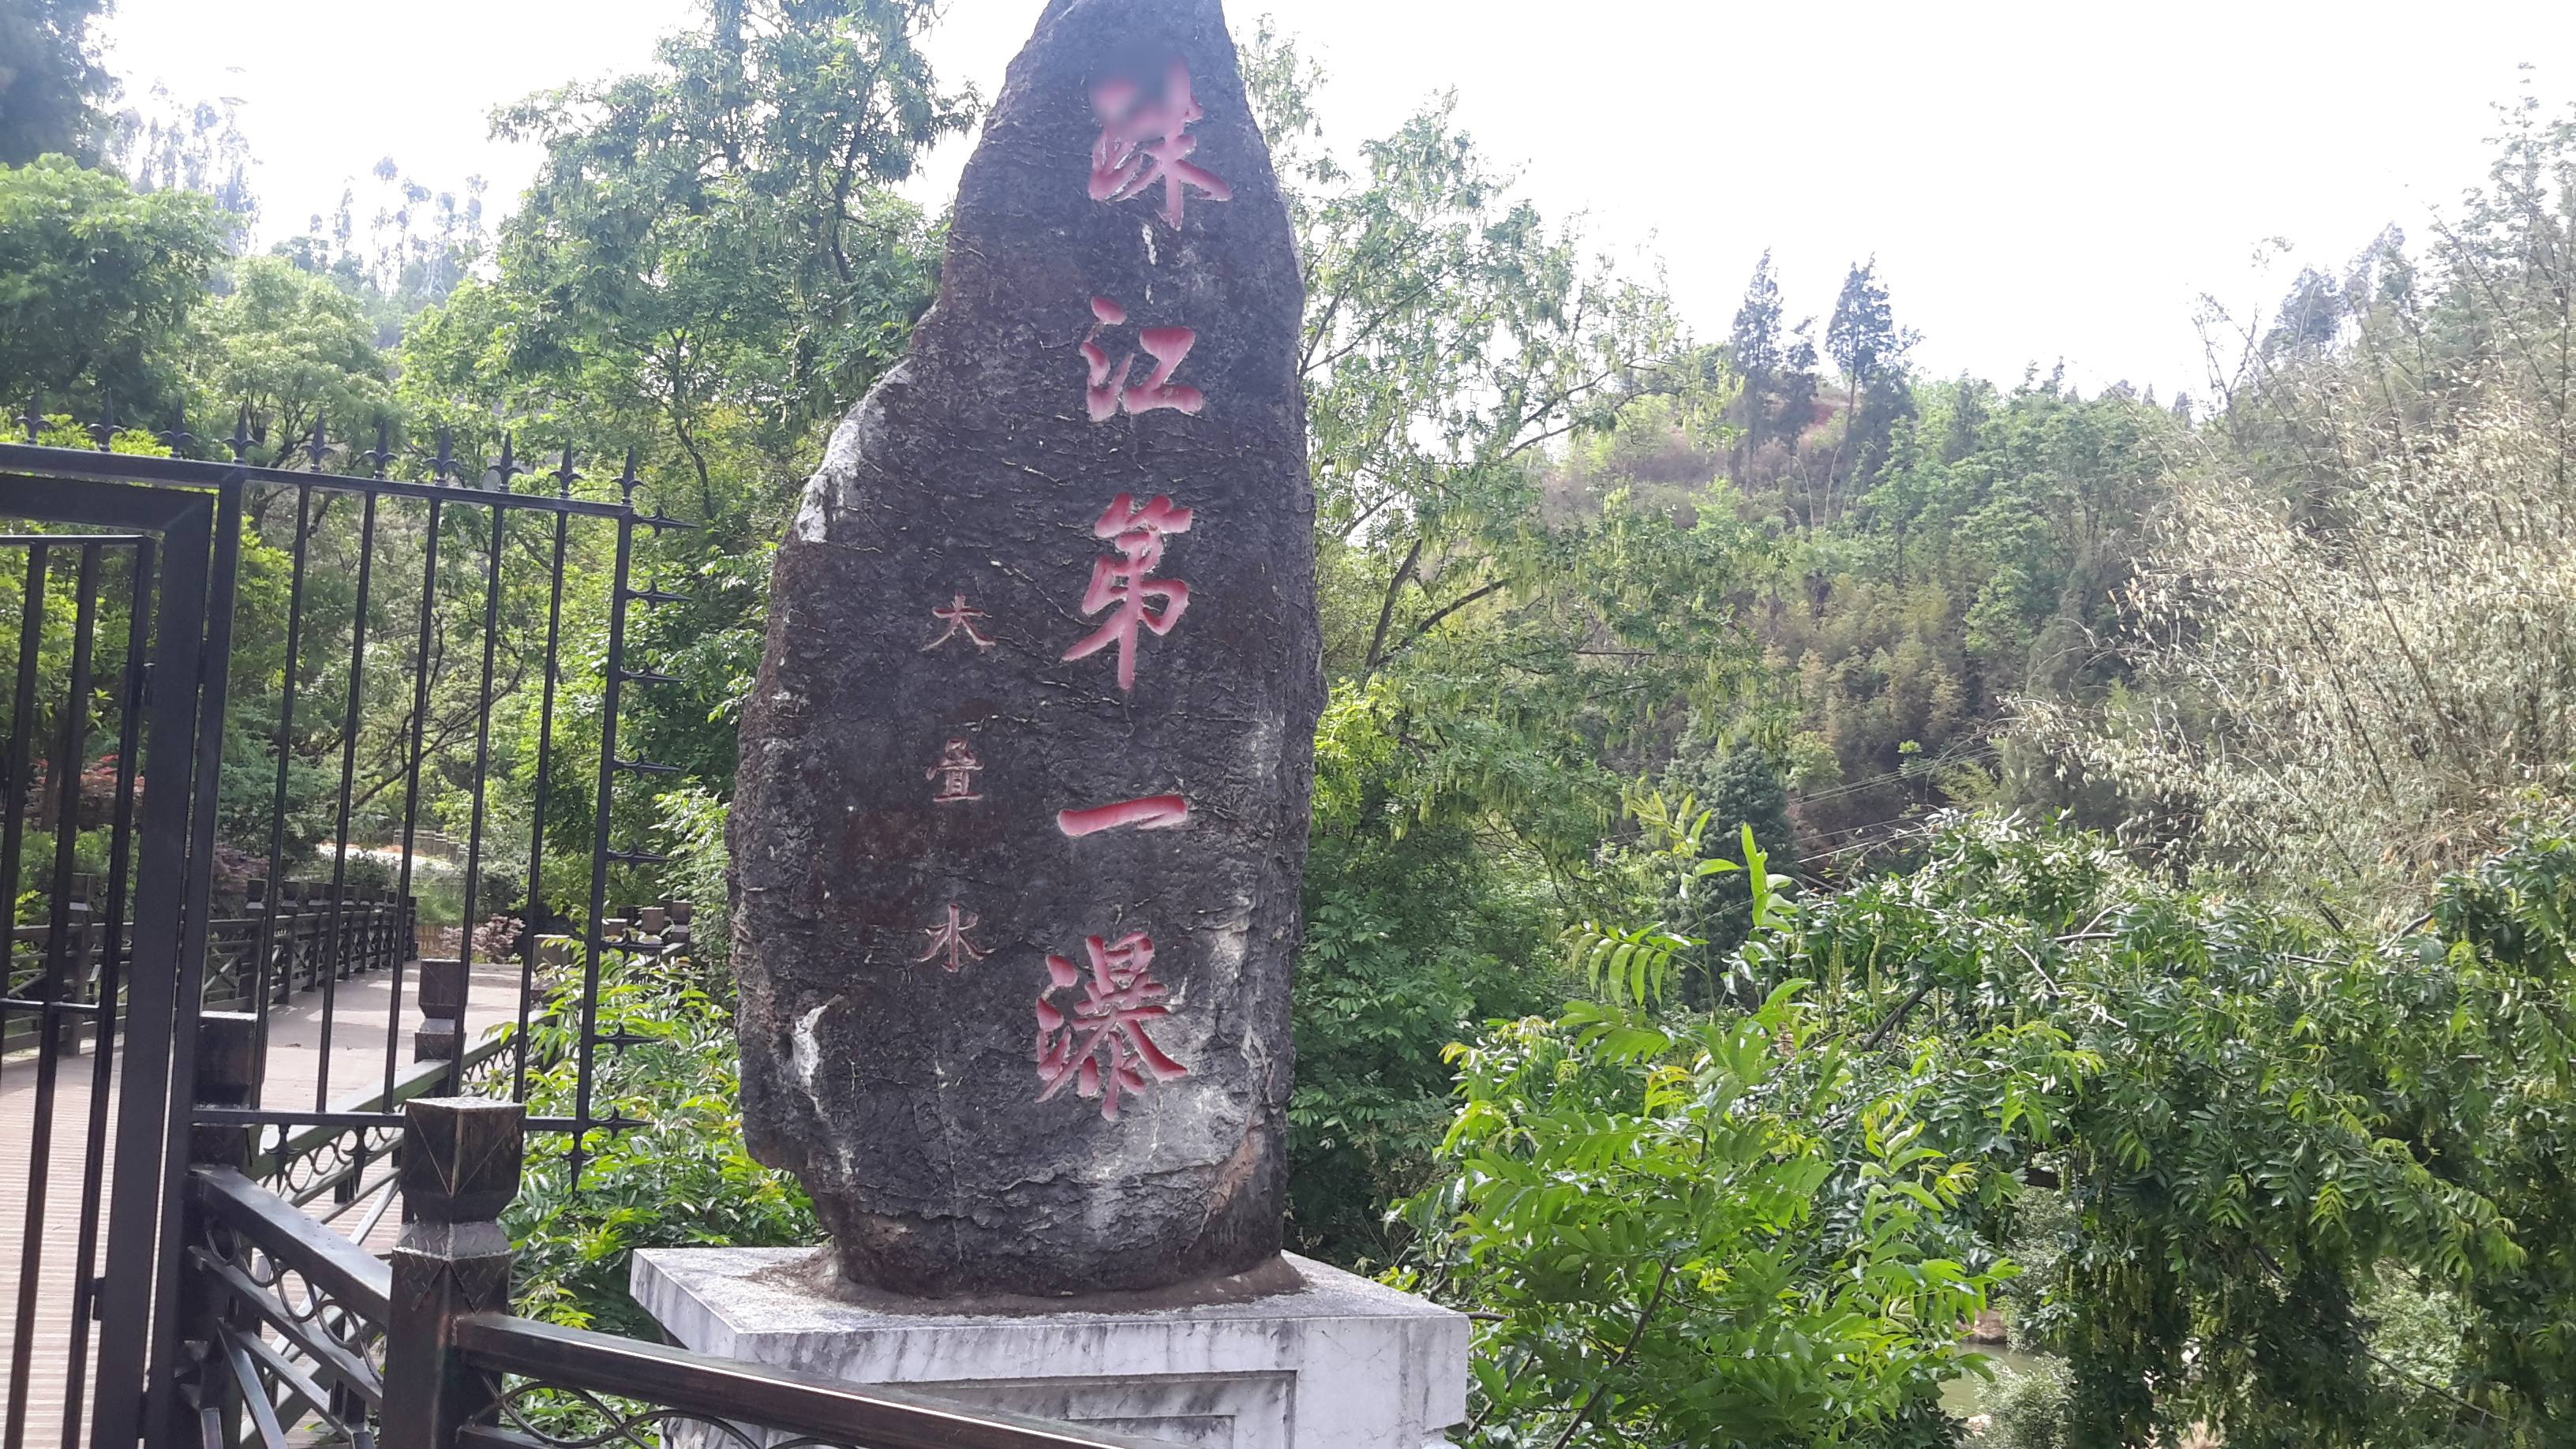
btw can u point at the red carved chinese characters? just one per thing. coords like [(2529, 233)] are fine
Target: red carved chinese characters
[(1156, 812), (1125, 585), (1101, 1045), (960, 619), (1143, 142), (955, 773), (1109, 392), (949, 939)]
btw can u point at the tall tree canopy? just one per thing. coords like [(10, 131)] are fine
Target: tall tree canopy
[(52, 85), (97, 284)]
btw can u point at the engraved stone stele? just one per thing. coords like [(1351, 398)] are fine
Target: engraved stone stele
[(1024, 791)]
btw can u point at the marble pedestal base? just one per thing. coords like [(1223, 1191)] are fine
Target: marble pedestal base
[(1339, 1363)]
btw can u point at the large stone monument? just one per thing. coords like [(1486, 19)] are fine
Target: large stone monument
[(1024, 792), (1023, 800)]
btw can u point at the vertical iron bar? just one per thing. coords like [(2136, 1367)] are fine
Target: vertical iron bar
[(65, 778), (348, 775), (13, 790), (178, 1095), (599, 838), (260, 1004), (411, 786), (138, 640), (537, 829), (482, 767), (126, 1346), (22, 729)]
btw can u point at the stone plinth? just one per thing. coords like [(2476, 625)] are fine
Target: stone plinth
[(1332, 1362)]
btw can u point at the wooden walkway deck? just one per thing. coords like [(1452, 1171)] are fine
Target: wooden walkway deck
[(295, 1074)]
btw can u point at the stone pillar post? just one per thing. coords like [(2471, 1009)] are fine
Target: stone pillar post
[(460, 1167), (441, 1034)]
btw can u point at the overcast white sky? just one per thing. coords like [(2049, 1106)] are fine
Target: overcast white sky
[(2038, 181)]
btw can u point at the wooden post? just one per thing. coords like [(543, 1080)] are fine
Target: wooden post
[(441, 1034), (227, 1061), (460, 1161)]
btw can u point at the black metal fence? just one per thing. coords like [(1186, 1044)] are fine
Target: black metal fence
[(276, 736)]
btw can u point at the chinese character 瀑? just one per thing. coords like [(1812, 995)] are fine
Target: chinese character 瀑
[(1126, 581), (1155, 812), (1142, 142), (960, 620), (1108, 390), (955, 773), (1101, 1045), (949, 939)]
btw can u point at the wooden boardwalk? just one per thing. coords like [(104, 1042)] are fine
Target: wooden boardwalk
[(295, 1075)]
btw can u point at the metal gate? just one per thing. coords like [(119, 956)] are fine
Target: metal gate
[(302, 820), (140, 567)]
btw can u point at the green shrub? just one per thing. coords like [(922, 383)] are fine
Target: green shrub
[(679, 1177), (2026, 1408)]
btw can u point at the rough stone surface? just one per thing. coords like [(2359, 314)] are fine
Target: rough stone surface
[(964, 535), (1337, 1362)]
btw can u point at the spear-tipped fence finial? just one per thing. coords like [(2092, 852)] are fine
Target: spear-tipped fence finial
[(627, 482), (378, 457), (319, 448), (442, 464), (105, 431), (509, 467), (565, 477), (33, 419)]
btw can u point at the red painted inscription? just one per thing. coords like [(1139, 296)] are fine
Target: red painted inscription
[(1145, 141), (1124, 585), (1100, 1045)]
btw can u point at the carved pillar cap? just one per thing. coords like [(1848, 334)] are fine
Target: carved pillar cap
[(460, 1158), (442, 987)]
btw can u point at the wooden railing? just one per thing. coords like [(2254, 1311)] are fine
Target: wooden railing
[(302, 939), (308, 938), (292, 1325)]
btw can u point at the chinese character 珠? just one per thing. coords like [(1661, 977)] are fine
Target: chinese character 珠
[(1142, 142), (955, 773), (949, 939), (1101, 1045), (960, 620), (1108, 391), (1126, 581)]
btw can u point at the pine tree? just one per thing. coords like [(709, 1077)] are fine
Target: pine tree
[(1758, 356), (1869, 350)]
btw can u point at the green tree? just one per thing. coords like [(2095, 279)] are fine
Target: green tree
[(1738, 788), (1489, 651), (97, 286), (290, 350), (1869, 350), (1759, 350), (1724, 1229), (1414, 938), (52, 84), (2255, 1118), (715, 245)]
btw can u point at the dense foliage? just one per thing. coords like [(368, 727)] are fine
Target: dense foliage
[(52, 85), (1771, 1225)]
